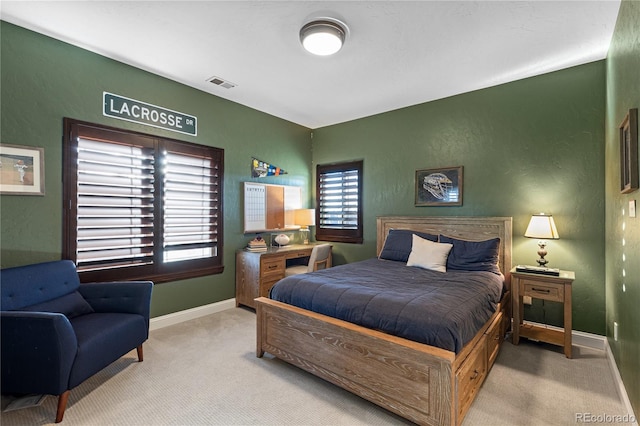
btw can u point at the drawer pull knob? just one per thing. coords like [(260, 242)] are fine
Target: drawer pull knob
[(273, 266), (476, 373), (541, 290)]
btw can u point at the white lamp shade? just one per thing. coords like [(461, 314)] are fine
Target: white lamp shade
[(542, 226), (304, 217)]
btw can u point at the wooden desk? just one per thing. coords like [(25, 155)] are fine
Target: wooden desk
[(257, 272), (547, 287)]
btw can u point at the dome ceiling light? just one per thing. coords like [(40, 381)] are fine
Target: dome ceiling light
[(323, 36)]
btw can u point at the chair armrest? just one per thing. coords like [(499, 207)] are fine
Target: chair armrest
[(132, 297), (37, 352)]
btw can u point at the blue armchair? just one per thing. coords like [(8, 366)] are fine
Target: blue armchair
[(56, 333)]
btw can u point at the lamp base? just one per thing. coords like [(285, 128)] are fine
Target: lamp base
[(542, 261), (542, 253), (305, 235)]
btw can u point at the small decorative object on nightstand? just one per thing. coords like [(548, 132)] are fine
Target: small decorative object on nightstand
[(546, 287)]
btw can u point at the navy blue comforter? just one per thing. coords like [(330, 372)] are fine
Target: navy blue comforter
[(440, 309)]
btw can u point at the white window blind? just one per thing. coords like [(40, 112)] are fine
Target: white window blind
[(115, 205), (339, 199), (190, 207), (339, 202)]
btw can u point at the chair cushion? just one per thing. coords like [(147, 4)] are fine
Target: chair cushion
[(295, 270), (102, 339), (71, 305)]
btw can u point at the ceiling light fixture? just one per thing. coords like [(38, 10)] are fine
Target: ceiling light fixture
[(323, 36)]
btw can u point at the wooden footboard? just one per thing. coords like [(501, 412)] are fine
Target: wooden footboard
[(421, 383), (410, 379)]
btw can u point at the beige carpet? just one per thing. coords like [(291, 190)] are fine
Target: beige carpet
[(204, 372)]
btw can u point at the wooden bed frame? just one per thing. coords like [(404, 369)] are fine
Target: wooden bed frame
[(422, 383)]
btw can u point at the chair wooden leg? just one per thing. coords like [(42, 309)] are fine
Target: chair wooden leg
[(62, 405), (140, 357)]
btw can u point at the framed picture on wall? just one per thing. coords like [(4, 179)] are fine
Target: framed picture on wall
[(629, 152), (21, 170), (439, 187)]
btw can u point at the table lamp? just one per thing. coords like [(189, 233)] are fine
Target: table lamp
[(542, 226), (304, 218)]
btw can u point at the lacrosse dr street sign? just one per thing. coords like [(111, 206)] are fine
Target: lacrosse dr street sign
[(143, 113)]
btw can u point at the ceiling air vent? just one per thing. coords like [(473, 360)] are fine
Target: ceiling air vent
[(221, 82)]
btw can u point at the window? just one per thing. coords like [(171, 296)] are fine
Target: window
[(139, 206), (339, 201)]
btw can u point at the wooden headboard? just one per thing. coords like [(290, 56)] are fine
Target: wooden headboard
[(465, 228)]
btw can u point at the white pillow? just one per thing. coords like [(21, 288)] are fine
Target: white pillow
[(429, 255)]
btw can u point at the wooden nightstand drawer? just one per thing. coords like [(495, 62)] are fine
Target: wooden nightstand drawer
[(273, 265), (539, 290)]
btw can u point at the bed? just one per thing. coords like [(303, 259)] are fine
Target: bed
[(421, 382)]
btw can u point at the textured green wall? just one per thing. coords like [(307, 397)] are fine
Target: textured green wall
[(44, 80), (529, 146), (622, 231)]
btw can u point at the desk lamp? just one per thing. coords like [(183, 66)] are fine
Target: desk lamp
[(542, 226), (304, 218)]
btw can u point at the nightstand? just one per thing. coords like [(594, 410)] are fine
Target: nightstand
[(546, 287)]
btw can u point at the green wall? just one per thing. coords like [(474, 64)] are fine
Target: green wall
[(529, 146), (44, 80), (622, 231)]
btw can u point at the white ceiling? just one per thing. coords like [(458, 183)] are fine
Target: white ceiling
[(397, 53)]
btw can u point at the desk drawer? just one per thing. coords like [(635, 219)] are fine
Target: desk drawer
[(272, 265), (298, 254), (267, 283), (539, 290)]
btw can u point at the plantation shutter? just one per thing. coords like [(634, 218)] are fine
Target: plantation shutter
[(115, 205), (339, 202), (140, 207), (191, 185)]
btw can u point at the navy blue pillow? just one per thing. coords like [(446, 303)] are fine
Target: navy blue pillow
[(473, 255), (399, 242), (71, 305)]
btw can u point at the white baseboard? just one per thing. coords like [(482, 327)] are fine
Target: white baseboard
[(590, 340), (189, 314), (620, 385)]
